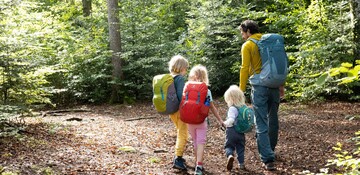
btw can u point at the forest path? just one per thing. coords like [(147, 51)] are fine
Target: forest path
[(134, 139)]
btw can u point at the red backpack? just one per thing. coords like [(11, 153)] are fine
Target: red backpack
[(193, 109)]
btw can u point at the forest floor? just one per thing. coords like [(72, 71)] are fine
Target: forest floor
[(134, 139)]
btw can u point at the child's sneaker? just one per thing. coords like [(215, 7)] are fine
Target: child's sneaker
[(199, 170), (230, 161), (179, 163), (269, 166), (242, 166)]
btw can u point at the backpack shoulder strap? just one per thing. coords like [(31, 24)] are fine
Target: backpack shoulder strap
[(256, 42), (253, 40), (174, 76), (242, 110), (245, 110)]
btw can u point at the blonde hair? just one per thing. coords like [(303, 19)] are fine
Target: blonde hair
[(199, 73), (234, 96), (178, 63)]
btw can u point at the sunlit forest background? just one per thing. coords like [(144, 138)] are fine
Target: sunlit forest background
[(60, 54), (57, 52)]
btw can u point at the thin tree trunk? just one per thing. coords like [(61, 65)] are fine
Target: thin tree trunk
[(355, 9), (86, 7), (115, 46)]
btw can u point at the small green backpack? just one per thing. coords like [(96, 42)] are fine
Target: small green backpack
[(245, 120), (165, 99)]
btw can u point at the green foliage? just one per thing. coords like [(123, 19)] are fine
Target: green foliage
[(9, 173), (150, 31), (12, 111), (82, 54), (345, 77), (350, 74), (129, 149), (323, 45), (11, 119), (214, 40), (42, 170), (347, 163), (22, 69), (55, 128), (76, 47), (51, 54), (154, 160)]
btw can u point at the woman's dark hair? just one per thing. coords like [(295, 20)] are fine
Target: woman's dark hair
[(249, 25)]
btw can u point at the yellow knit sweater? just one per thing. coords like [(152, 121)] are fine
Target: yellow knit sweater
[(251, 61)]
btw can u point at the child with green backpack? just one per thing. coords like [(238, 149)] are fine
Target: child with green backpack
[(177, 67), (239, 120), (167, 94)]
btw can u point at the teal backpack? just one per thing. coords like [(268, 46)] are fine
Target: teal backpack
[(274, 67), (245, 120)]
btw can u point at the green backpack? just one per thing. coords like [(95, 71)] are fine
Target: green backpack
[(165, 99), (245, 120)]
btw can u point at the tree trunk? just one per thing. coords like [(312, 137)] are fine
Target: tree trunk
[(86, 7), (355, 9), (115, 46)]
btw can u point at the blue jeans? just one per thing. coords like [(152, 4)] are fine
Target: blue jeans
[(266, 105), (235, 141)]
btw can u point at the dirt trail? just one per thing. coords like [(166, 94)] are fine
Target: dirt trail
[(54, 145)]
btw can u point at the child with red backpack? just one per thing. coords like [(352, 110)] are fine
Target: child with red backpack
[(177, 67), (194, 108)]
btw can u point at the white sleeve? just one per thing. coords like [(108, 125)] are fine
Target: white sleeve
[(229, 122), (231, 115)]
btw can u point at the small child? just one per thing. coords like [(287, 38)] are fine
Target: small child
[(234, 98), (178, 66), (198, 131)]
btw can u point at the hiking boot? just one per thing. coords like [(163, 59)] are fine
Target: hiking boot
[(269, 166), (179, 163), (230, 161), (241, 166), (199, 170)]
